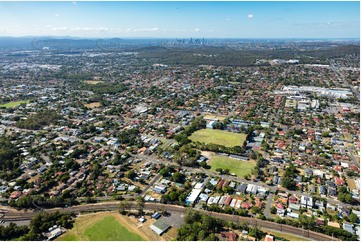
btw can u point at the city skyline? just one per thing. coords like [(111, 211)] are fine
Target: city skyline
[(181, 19)]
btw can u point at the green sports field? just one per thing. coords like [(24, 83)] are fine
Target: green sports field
[(219, 137), (13, 104), (238, 167), (101, 228)]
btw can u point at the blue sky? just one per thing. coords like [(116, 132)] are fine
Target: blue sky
[(182, 19)]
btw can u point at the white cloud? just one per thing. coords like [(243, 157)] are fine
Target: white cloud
[(74, 3), (196, 30), (56, 15), (80, 29), (228, 19), (60, 29), (250, 15), (142, 30)]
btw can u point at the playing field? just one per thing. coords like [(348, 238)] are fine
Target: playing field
[(13, 104), (219, 137), (238, 167), (106, 226)]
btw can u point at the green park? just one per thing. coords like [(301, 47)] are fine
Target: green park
[(238, 167), (219, 137)]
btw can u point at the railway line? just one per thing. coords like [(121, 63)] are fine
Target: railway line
[(113, 206)]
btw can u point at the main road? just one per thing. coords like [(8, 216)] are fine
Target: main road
[(113, 206)]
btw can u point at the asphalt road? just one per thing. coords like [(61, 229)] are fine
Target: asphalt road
[(155, 179), (267, 212)]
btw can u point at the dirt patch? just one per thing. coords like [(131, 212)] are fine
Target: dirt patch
[(92, 82), (93, 105), (351, 183), (170, 234), (210, 116), (208, 154)]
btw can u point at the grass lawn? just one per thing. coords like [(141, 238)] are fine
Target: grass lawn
[(219, 137), (100, 227), (238, 167), (13, 104)]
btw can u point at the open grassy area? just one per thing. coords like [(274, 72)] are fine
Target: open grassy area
[(101, 226), (92, 82), (13, 104), (219, 137), (238, 167)]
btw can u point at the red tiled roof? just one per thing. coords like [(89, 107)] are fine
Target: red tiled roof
[(229, 235), (15, 195), (339, 181), (280, 205), (246, 205)]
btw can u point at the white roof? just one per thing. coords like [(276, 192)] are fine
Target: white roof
[(56, 232), (238, 204), (233, 202), (156, 229), (199, 185), (203, 197), (194, 195)]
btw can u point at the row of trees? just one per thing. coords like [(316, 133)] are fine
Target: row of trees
[(237, 150), (36, 201)]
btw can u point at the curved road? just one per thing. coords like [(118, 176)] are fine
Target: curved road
[(111, 206)]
